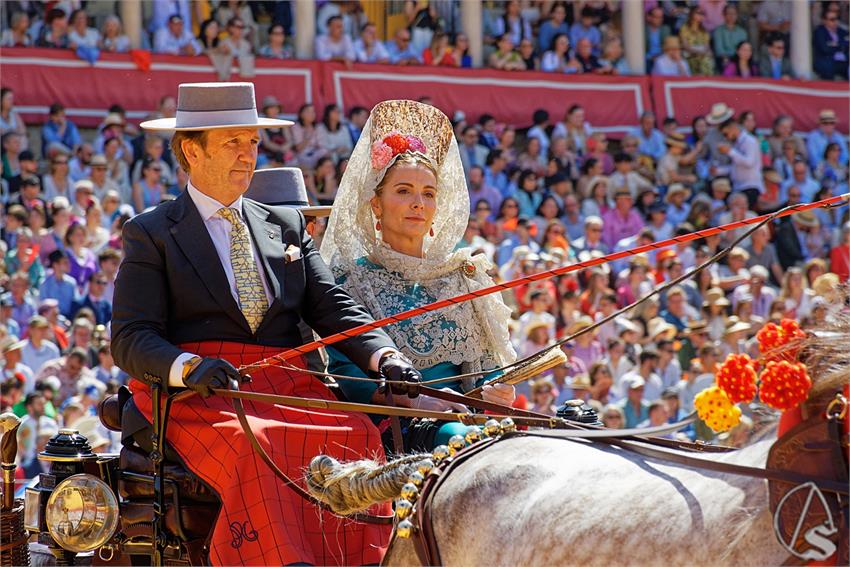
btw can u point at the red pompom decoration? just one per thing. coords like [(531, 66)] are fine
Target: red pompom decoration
[(398, 143), (784, 384), (773, 338), (737, 378)]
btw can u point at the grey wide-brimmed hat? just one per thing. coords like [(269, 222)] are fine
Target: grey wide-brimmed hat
[(209, 106), (284, 186)]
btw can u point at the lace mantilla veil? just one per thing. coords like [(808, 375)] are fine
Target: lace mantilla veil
[(473, 334)]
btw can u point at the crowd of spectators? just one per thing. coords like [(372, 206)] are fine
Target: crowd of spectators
[(683, 38), (556, 193)]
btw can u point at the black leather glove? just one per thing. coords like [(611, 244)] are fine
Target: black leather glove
[(405, 377), (212, 373)]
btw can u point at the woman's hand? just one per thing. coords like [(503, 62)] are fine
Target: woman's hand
[(504, 394), (428, 403)]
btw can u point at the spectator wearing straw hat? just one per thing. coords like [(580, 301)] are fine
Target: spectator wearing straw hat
[(537, 337), (734, 337), (734, 273), (825, 134), (672, 166), (677, 207), (100, 181), (539, 313), (671, 63), (743, 150), (114, 126), (13, 367)]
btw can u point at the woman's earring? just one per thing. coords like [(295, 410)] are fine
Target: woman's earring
[(431, 232), (378, 225)]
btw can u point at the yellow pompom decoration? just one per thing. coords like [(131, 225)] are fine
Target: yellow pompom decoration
[(716, 409)]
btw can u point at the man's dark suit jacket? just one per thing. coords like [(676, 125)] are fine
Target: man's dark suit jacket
[(766, 69), (823, 58), (172, 289), (788, 248), (101, 308)]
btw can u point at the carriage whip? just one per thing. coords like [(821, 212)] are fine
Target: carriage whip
[(360, 329)]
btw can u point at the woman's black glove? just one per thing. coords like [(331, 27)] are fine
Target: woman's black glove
[(212, 373), (403, 378)]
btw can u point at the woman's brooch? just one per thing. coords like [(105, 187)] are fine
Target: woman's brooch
[(468, 269)]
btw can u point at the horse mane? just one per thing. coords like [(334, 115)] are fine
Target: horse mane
[(827, 355)]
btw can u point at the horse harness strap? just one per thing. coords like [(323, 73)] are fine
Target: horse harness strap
[(646, 448), (424, 538)]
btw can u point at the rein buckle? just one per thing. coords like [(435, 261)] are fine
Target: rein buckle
[(837, 408)]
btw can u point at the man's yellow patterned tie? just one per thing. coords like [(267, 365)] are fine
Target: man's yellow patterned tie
[(249, 287)]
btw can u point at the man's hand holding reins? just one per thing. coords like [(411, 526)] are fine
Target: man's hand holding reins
[(401, 376), (211, 373)]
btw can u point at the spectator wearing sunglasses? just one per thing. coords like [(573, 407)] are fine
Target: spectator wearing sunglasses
[(830, 48), (95, 300)]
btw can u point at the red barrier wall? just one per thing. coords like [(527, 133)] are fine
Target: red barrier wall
[(40, 77), (767, 98), (612, 104)]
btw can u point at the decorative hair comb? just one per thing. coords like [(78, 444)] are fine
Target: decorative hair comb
[(400, 126)]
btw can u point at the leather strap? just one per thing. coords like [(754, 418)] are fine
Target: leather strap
[(641, 447), (313, 403), (424, 538), (395, 424)]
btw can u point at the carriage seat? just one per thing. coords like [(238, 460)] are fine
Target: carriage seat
[(139, 484)]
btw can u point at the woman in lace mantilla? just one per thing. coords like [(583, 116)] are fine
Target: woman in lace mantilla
[(399, 215)]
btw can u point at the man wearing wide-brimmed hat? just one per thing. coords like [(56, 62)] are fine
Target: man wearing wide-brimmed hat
[(743, 150), (825, 134), (212, 281), (671, 63), (670, 167)]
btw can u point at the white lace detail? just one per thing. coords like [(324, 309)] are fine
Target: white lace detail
[(474, 334)]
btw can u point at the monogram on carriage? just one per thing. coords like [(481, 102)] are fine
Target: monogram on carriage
[(409, 447)]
